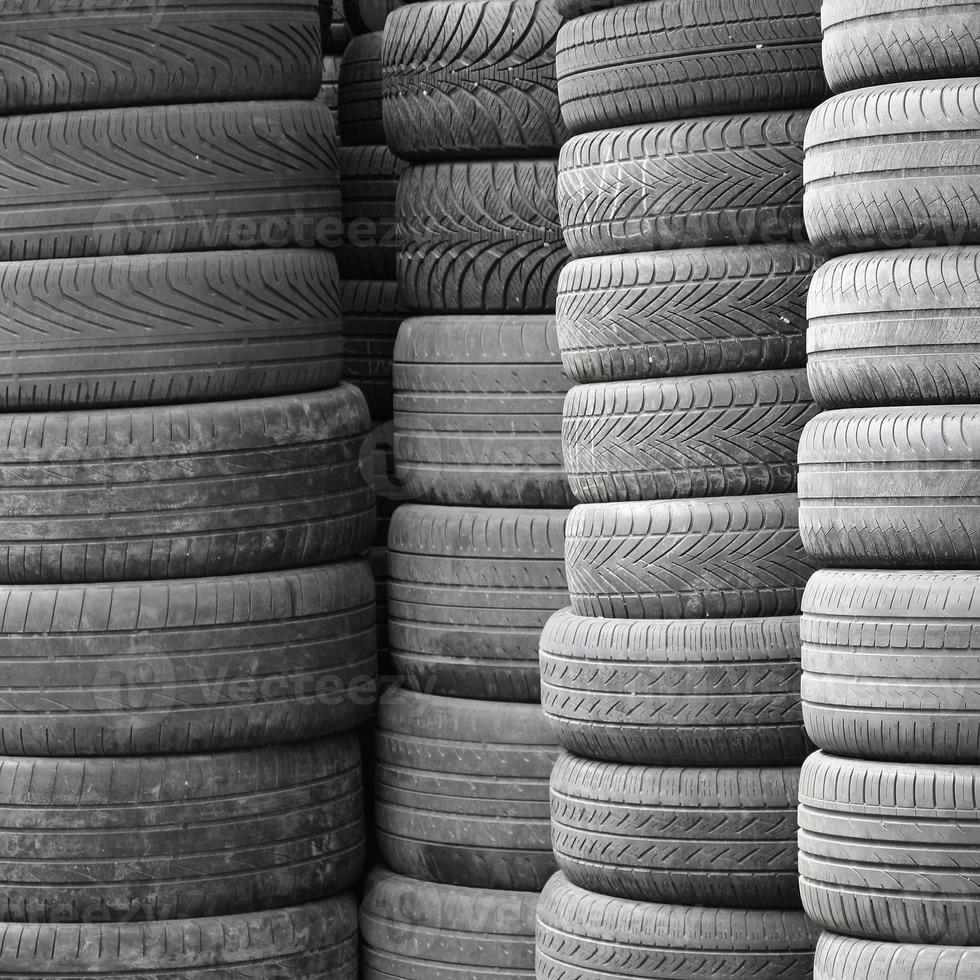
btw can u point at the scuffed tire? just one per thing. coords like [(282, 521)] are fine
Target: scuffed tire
[(844, 958)]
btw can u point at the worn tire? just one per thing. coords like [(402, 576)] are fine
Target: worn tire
[(198, 490), (715, 435), (646, 62), (462, 791), (892, 487), (359, 108), (167, 179), (674, 692), (479, 237), (469, 591), (583, 936), (845, 958), (414, 929), (728, 180), (472, 78), (478, 411), (687, 559), (372, 316), (683, 312)]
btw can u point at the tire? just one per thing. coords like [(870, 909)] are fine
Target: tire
[(330, 88), (369, 185), (478, 412), (479, 237), (892, 487), (57, 56), (889, 851), (468, 593), (167, 179), (415, 929), (687, 559), (689, 311), (582, 936), (360, 92), (168, 329), (715, 435), (843, 958), (199, 490), (472, 78), (365, 16), (674, 59), (891, 665), (372, 316), (895, 328), (674, 692), (306, 942), (462, 791), (867, 43), (730, 180), (334, 32), (894, 167), (691, 836), (177, 837)]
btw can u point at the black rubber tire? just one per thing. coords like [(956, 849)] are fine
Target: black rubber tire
[(418, 930), (58, 55), (472, 78), (196, 490), (168, 328), (329, 94), (715, 435), (478, 411), (890, 851), (721, 692), (372, 316), (334, 32), (305, 942), (844, 958), (360, 92), (582, 936), (468, 593), (479, 237), (369, 178), (689, 311), (891, 665), (727, 180), (462, 791), (896, 328), (687, 559), (365, 16), (874, 43), (673, 59), (892, 487), (182, 836), (894, 167), (168, 179)]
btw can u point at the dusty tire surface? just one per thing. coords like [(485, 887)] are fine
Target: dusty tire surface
[(372, 316), (845, 958), (359, 103)]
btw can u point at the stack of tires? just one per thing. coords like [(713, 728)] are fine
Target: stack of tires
[(890, 496), (463, 752), (334, 34), (672, 682), (186, 631)]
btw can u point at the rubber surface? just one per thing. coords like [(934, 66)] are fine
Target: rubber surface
[(372, 316), (844, 958), (469, 591), (360, 92), (364, 16), (329, 94), (462, 791), (334, 32), (725, 180)]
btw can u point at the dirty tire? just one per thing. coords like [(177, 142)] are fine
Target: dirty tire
[(729, 180), (844, 958), (365, 16), (180, 836), (479, 237), (683, 312), (167, 179), (414, 929), (581, 936), (462, 791), (892, 487), (372, 316), (478, 411), (360, 92), (209, 489), (468, 593), (472, 78), (716, 435), (674, 692), (687, 559), (674, 59), (896, 328)]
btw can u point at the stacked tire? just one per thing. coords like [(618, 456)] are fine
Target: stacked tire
[(889, 487), (187, 627), (475, 558), (672, 681)]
